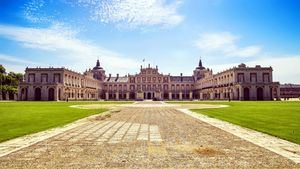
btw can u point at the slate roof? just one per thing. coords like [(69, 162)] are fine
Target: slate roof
[(182, 79), (116, 79)]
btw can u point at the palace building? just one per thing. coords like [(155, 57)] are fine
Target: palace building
[(237, 83)]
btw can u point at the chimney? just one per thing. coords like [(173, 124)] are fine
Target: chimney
[(117, 77), (181, 78), (109, 76)]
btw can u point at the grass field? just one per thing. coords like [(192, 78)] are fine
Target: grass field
[(21, 118), (281, 119)]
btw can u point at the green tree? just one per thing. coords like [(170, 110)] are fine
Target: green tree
[(9, 82), (2, 69)]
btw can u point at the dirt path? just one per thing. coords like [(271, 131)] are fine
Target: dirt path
[(145, 137)]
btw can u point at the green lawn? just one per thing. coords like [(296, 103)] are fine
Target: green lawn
[(21, 118), (281, 119)]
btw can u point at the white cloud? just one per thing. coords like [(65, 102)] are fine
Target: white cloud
[(225, 43), (285, 68), (15, 60), (34, 11), (129, 14), (134, 13), (62, 41)]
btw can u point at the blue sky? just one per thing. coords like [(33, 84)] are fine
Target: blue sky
[(172, 34)]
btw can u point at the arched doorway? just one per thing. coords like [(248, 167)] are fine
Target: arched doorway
[(37, 94), (24, 94), (149, 95), (260, 93), (51, 94), (132, 96), (246, 93), (166, 95)]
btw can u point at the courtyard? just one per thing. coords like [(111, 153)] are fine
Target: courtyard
[(142, 135)]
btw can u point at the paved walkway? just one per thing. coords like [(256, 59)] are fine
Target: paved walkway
[(145, 137)]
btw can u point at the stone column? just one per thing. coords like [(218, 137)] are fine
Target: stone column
[(180, 95), (222, 96), (127, 95), (117, 95), (7, 96), (241, 91), (30, 93), (253, 93), (191, 95), (19, 96), (106, 96), (44, 93), (231, 95), (278, 93), (212, 95), (55, 94), (170, 95), (267, 93), (201, 96), (0, 95)]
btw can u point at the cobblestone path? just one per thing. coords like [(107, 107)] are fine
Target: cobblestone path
[(157, 137)]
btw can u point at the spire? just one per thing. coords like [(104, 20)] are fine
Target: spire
[(200, 63), (200, 66), (98, 63)]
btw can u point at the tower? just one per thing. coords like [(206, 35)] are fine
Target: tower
[(199, 71), (98, 71)]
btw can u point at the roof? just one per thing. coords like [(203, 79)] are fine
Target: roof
[(290, 85), (182, 79), (116, 79)]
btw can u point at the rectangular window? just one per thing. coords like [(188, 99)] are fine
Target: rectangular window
[(31, 77), (44, 78), (253, 77), (240, 77), (266, 77), (165, 87), (56, 78)]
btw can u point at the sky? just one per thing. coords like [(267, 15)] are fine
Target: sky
[(173, 34)]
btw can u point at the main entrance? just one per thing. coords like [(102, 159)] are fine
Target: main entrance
[(149, 95)]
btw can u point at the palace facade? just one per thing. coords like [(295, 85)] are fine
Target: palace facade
[(237, 83)]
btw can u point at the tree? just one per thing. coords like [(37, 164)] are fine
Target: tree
[(2, 70), (9, 82)]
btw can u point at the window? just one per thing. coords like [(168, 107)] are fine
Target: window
[(173, 87), (56, 78), (44, 77), (253, 77), (131, 87), (165, 80), (266, 77), (240, 77), (165, 87), (31, 77)]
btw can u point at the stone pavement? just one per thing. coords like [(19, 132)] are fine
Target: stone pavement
[(145, 137)]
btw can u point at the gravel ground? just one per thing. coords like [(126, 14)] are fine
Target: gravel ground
[(159, 137)]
